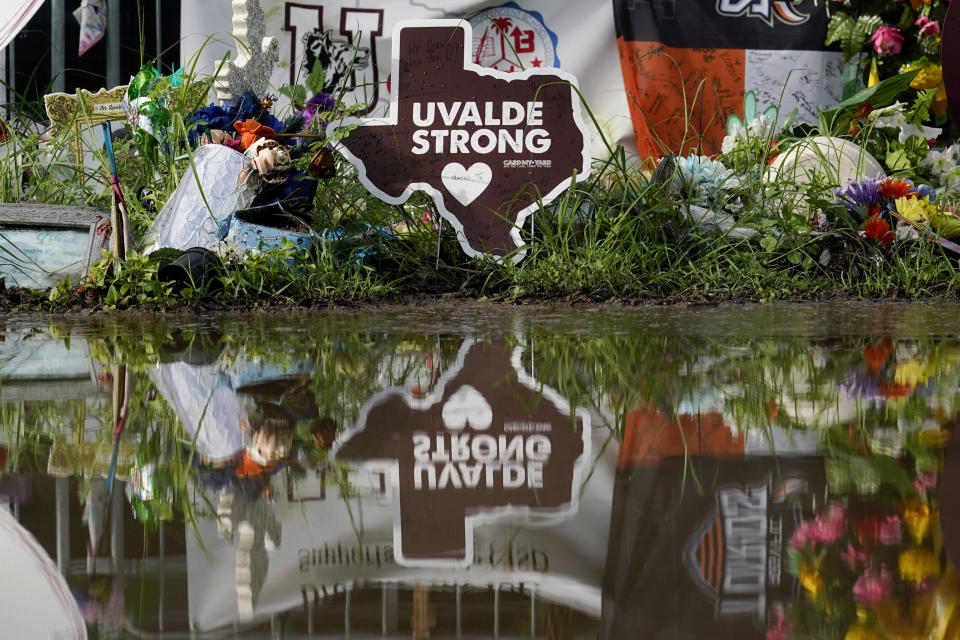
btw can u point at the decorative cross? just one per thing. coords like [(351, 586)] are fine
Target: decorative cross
[(256, 54), (72, 112)]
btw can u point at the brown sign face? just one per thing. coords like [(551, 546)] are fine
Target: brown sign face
[(484, 143), (490, 444)]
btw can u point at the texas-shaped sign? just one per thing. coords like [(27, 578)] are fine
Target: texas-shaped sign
[(489, 445), (489, 146)]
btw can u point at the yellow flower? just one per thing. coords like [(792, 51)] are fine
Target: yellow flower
[(911, 372), (939, 105), (918, 564), (917, 516), (928, 78), (810, 579), (915, 209)]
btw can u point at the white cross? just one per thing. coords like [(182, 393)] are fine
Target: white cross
[(254, 64)]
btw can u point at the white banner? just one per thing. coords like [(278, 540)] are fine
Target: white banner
[(352, 40), (312, 544)]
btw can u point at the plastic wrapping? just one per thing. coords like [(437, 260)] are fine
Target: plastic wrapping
[(198, 212)]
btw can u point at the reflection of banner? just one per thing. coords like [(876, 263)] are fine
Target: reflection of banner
[(326, 544), (733, 45), (351, 40), (698, 545)]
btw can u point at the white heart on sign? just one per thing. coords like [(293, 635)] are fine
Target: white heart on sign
[(467, 406), (466, 184)]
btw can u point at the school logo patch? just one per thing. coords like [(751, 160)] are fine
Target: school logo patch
[(509, 38), (783, 10)]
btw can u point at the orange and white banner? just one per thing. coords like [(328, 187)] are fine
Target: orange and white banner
[(687, 64)]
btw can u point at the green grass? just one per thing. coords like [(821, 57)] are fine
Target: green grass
[(617, 236)]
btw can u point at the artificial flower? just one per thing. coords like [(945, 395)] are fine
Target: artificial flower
[(759, 128), (857, 195), (887, 41), (916, 515), (894, 188), (928, 77), (927, 26), (917, 565), (251, 131), (873, 586), (916, 4), (878, 229), (893, 117), (703, 177), (914, 209), (940, 162)]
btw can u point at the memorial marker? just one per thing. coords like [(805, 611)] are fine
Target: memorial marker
[(487, 145)]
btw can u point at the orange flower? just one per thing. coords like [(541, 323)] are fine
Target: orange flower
[(251, 131), (916, 4), (890, 188), (878, 229)]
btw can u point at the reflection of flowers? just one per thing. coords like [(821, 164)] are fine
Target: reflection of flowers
[(916, 565), (916, 514), (873, 586)]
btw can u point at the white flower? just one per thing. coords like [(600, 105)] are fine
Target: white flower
[(892, 117), (759, 128)]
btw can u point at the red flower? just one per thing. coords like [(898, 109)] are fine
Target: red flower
[(878, 229), (251, 131), (877, 356), (890, 188)]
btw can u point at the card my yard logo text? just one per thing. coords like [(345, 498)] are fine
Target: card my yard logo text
[(766, 10)]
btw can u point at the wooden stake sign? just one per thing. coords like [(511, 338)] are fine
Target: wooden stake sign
[(72, 112), (489, 146)]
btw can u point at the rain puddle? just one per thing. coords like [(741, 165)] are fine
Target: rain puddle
[(750, 472)]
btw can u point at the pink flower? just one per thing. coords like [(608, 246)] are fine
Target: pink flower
[(927, 26), (925, 480), (887, 41), (803, 534), (854, 557), (891, 530), (873, 586), (830, 526)]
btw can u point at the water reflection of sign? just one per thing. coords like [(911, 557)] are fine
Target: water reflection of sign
[(484, 143), (704, 555), (489, 444)]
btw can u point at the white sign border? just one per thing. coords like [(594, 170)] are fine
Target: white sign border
[(436, 194)]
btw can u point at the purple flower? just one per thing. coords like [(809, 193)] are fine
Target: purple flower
[(873, 586), (320, 103), (857, 196)]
